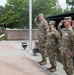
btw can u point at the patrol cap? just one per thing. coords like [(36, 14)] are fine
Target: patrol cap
[(40, 14), (51, 22), (67, 19)]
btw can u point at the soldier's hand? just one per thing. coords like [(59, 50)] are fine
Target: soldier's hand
[(35, 19), (61, 23)]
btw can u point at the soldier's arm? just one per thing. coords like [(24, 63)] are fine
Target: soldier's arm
[(57, 35), (72, 41), (46, 24), (35, 21), (59, 26), (45, 29)]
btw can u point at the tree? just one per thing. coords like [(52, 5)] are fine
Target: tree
[(70, 3), (1, 10), (21, 8), (58, 8), (48, 7), (16, 12), (67, 9)]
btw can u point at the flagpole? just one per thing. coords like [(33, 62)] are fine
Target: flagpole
[(30, 25)]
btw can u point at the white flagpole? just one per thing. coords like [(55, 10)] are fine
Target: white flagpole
[(30, 25)]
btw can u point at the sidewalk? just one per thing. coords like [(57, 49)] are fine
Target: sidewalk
[(13, 60), (17, 45)]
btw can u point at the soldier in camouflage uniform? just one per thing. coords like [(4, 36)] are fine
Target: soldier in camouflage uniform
[(73, 25), (73, 30), (42, 27), (67, 45), (52, 43)]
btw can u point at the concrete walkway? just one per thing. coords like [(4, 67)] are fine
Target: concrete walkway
[(35, 59), (14, 60)]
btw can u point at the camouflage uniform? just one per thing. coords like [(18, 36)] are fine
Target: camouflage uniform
[(73, 57), (67, 48), (42, 30), (52, 44), (42, 38)]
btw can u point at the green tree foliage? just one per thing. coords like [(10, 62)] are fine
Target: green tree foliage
[(45, 6), (70, 3), (66, 10), (48, 7), (1, 10), (15, 14)]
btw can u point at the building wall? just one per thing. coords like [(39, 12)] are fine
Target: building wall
[(20, 34)]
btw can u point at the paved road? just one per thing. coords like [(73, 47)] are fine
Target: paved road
[(13, 61)]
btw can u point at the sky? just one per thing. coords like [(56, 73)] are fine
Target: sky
[(2, 2), (62, 3)]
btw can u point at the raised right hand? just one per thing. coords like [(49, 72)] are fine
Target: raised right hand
[(35, 18), (61, 23)]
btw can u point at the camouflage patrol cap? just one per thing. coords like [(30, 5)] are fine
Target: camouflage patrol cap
[(52, 22), (67, 19), (40, 14)]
